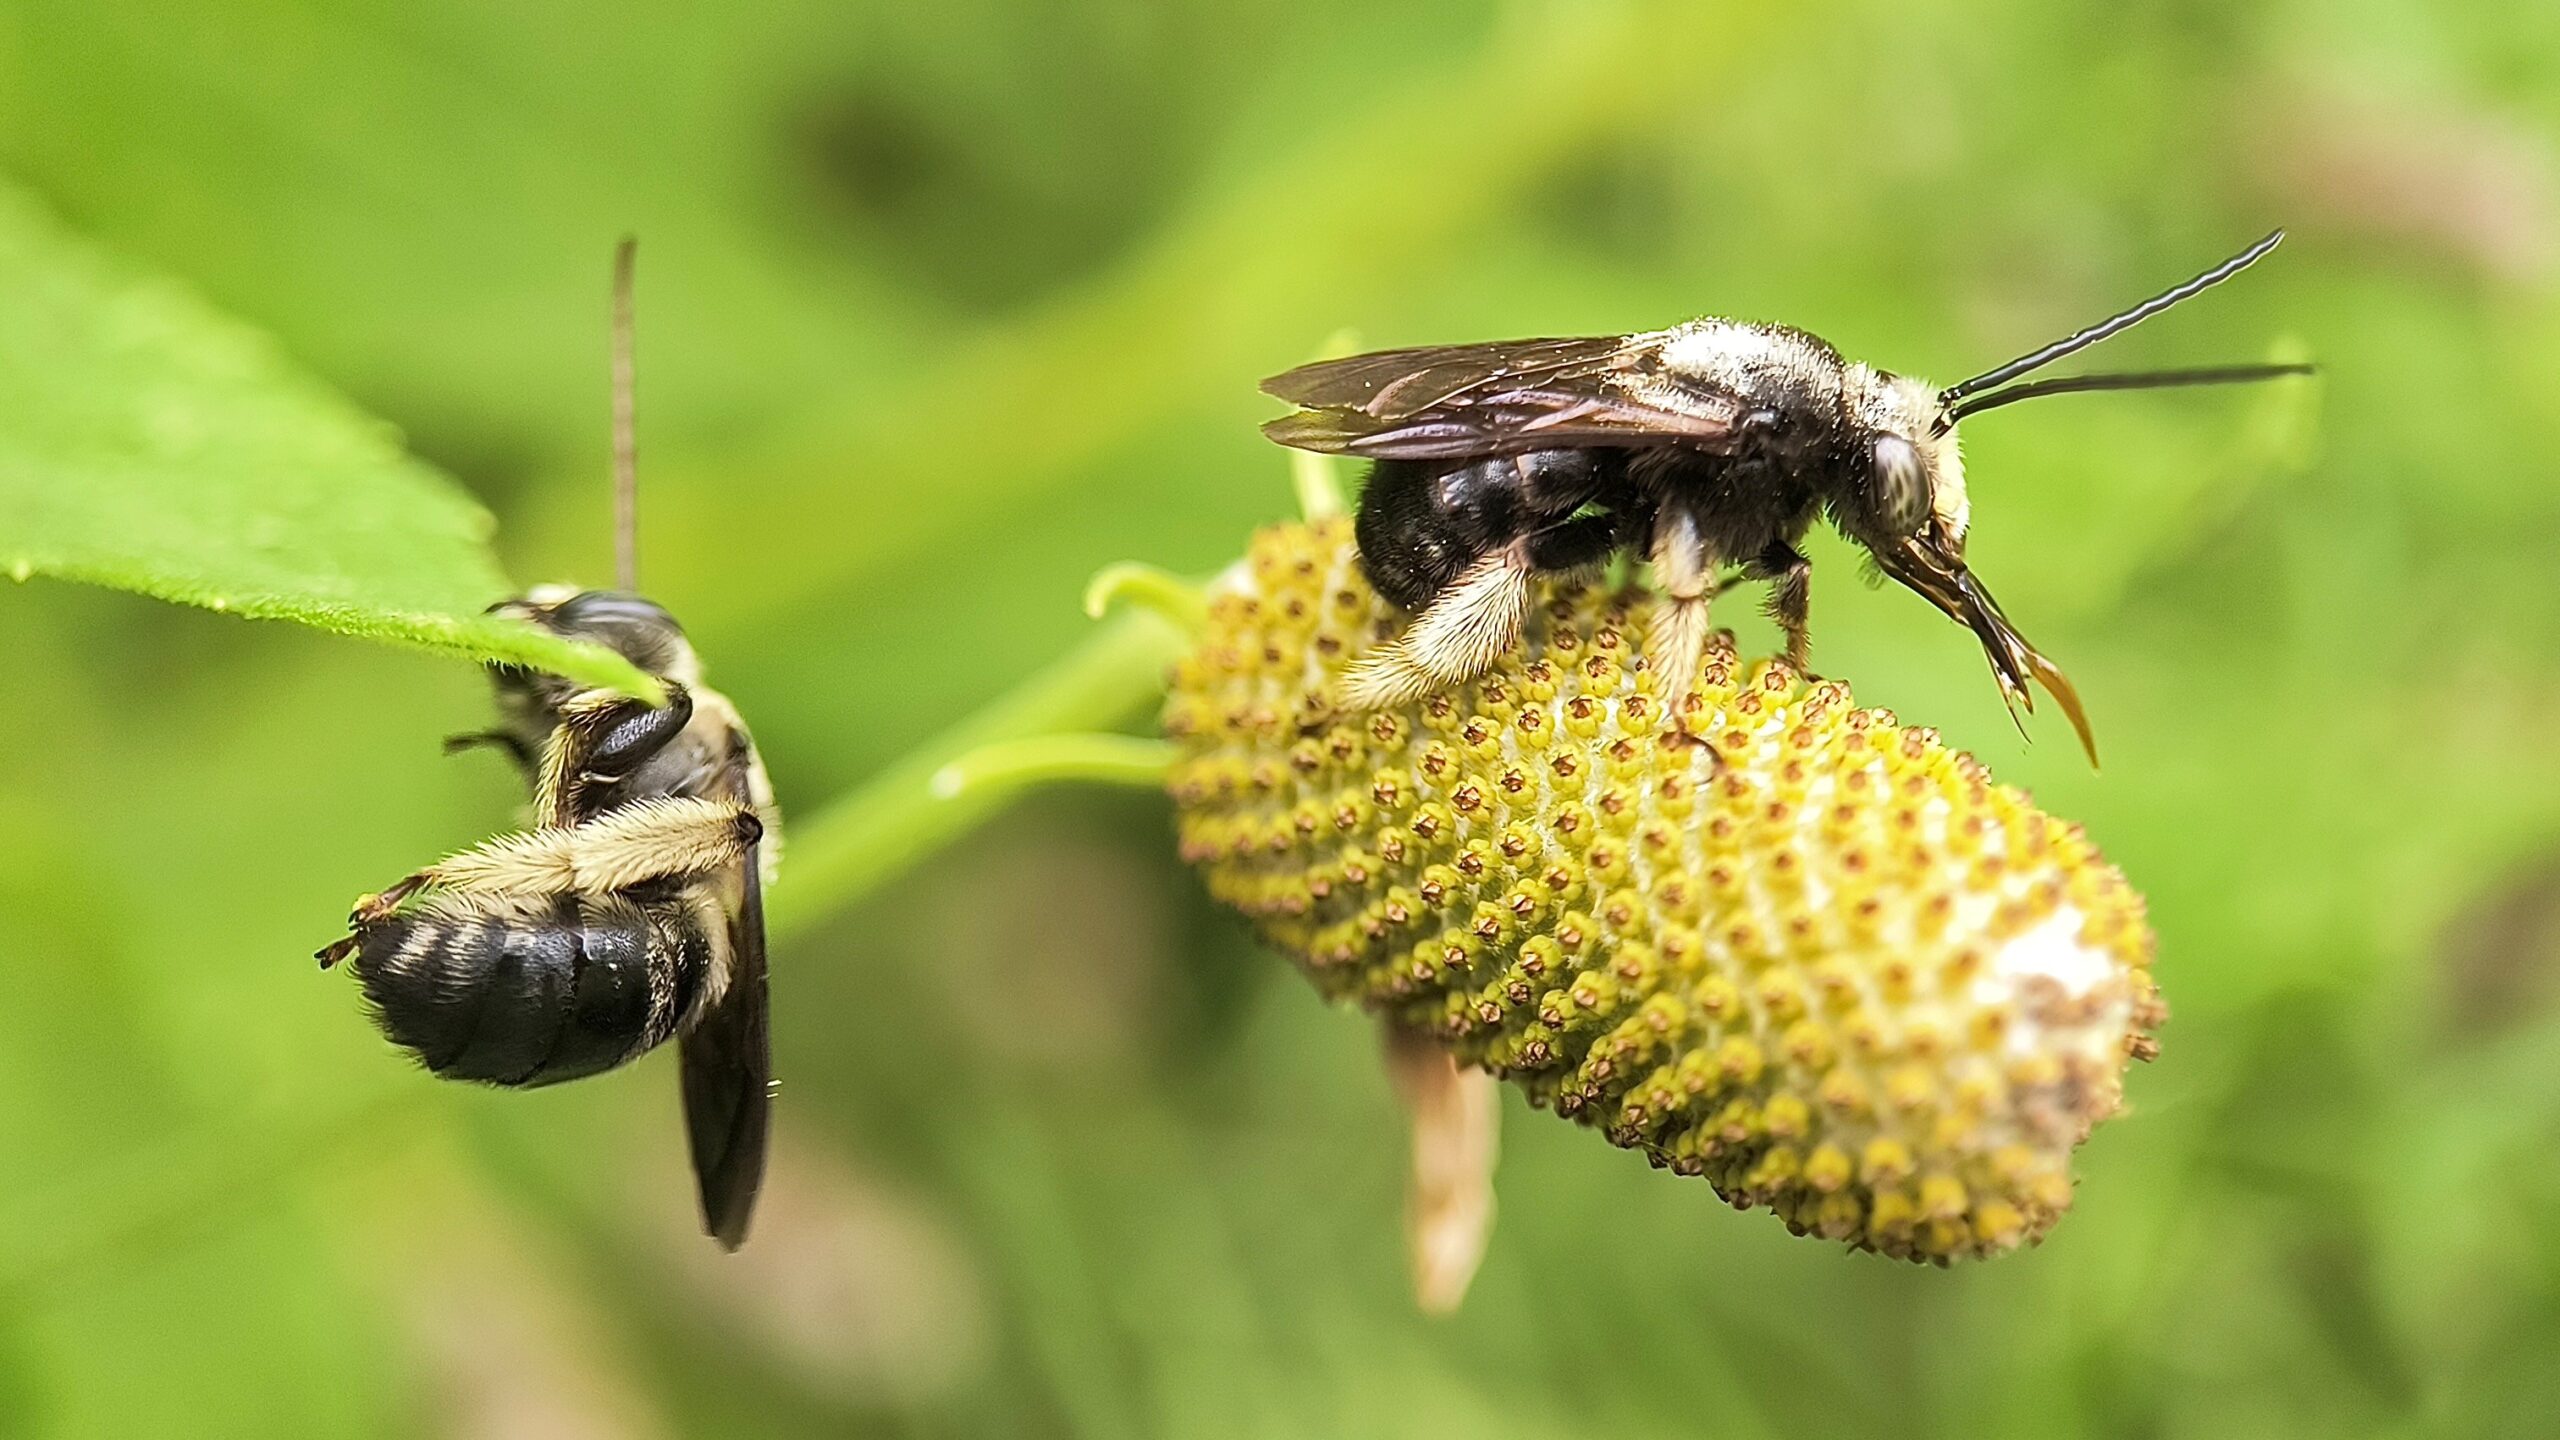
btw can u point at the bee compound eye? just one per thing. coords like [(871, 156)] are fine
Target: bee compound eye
[(1901, 485)]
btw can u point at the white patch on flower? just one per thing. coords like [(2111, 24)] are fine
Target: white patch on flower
[(2051, 950)]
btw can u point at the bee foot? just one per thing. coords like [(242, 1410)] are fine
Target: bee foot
[(372, 909)]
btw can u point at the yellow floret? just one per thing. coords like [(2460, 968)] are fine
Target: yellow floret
[(1795, 947)]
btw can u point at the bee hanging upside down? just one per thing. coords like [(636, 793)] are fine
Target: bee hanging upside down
[(1708, 445), (630, 914)]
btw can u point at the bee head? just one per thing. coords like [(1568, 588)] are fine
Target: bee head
[(1906, 503), (639, 630), (1907, 506), (1907, 481)]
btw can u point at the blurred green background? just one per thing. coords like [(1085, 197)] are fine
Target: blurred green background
[(944, 306)]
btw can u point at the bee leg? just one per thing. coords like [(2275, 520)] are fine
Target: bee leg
[(1790, 578), (625, 846), (495, 741), (376, 907), (371, 910), (1459, 545), (1456, 638), (527, 760), (1686, 570)]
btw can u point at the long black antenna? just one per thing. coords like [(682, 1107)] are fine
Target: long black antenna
[(2126, 380), (2112, 325), (626, 445)]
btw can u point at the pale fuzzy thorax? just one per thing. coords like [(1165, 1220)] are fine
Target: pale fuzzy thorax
[(686, 669), (1909, 407), (1743, 358), (1746, 358)]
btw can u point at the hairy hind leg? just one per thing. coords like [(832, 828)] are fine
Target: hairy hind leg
[(626, 846), (1460, 547), (1456, 638)]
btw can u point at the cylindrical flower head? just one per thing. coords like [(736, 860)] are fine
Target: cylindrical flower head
[(1796, 947)]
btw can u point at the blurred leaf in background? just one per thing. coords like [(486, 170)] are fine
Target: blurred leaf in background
[(946, 307)]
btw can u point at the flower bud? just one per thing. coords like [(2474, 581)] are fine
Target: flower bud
[(1785, 943)]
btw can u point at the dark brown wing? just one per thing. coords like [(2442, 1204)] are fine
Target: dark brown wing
[(1457, 401), (728, 1077)]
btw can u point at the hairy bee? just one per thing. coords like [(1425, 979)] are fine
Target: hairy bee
[(1708, 445), (631, 913)]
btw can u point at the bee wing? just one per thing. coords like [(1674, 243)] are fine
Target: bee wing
[(728, 1076), (1460, 401), (1395, 384)]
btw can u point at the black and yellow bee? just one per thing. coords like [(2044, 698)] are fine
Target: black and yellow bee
[(631, 912)]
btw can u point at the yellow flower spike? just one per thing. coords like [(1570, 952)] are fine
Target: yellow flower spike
[(1782, 942)]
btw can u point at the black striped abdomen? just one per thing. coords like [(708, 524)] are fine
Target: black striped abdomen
[(536, 991)]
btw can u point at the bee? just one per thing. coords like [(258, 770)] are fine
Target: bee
[(632, 912), (1709, 445)]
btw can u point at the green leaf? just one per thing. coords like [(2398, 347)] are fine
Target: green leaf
[(151, 444)]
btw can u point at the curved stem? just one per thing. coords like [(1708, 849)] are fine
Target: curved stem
[(868, 838), (1149, 587), (992, 774)]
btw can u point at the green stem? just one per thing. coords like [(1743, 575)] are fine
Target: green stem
[(992, 774), (910, 810), (1169, 595), (1319, 488)]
